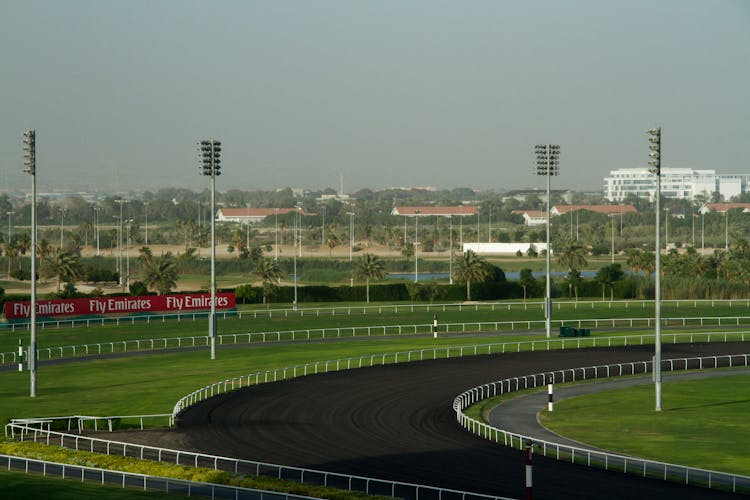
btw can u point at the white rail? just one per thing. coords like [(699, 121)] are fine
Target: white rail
[(140, 481), (609, 461), (122, 346), (370, 309), (369, 486)]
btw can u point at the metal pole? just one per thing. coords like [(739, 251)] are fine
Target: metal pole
[(529, 471), (726, 228), (127, 258), (96, 214), (30, 147), (548, 302), (276, 233), (212, 318), (145, 209), (294, 252), (416, 248), (32, 319), (657, 301), (10, 218), (613, 240), (351, 234), (450, 265), (62, 215)]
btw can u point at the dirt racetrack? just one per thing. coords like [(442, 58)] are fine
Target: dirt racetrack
[(396, 422)]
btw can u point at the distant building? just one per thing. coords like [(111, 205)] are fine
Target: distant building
[(429, 210), (679, 183), (532, 217), (600, 209), (723, 207), (503, 248), (251, 215)]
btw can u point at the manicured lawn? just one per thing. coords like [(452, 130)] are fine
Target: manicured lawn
[(152, 383), (704, 423), (34, 487), (307, 319)]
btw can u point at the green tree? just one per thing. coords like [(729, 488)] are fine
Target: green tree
[(369, 267), (268, 271), (571, 255), (470, 267), (607, 276), (161, 274), (63, 265), (527, 280)]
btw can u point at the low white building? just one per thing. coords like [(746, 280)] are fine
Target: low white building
[(251, 215), (503, 248)]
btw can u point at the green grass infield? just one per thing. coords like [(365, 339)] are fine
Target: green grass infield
[(703, 423)]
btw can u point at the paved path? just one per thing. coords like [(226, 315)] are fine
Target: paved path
[(519, 414)]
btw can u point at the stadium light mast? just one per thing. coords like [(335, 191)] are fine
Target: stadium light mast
[(655, 162), (29, 146), (210, 153), (547, 164)]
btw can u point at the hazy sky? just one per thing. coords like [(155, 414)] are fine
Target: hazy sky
[(385, 92)]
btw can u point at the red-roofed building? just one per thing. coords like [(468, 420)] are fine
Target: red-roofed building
[(251, 215), (427, 211), (723, 207), (601, 209)]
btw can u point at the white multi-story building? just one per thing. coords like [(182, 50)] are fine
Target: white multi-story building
[(681, 183)]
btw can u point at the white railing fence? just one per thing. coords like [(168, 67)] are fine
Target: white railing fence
[(110, 423), (437, 353), (369, 310), (122, 346), (369, 486), (609, 461), (140, 481)]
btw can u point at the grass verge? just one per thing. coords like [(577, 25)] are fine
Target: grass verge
[(148, 467)]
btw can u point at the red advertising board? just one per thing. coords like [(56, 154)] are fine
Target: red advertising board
[(120, 305)]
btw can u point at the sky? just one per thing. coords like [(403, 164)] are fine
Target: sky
[(383, 93)]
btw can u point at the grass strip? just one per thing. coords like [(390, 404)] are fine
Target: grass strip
[(148, 467)]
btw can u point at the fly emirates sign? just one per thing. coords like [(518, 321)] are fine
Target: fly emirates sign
[(120, 305)]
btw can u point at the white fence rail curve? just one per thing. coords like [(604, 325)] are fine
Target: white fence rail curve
[(435, 353), (123, 346), (369, 486), (609, 461), (140, 481)]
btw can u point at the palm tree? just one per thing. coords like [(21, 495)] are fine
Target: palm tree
[(332, 240), (145, 255), (571, 255), (268, 271), (44, 250), (526, 279), (470, 267), (369, 266), (161, 274), (63, 265), (11, 252)]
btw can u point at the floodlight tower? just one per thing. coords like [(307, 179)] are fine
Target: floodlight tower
[(210, 153), (655, 162), (29, 146), (547, 164)]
